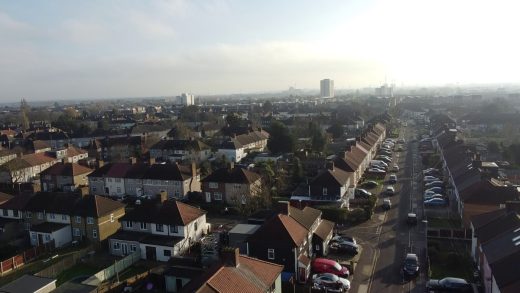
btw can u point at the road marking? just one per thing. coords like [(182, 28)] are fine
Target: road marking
[(366, 269)]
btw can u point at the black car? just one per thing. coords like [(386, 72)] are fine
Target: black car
[(345, 247), (411, 265), (448, 285), (361, 193)]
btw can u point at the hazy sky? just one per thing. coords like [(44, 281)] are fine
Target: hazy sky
[(81, 49)]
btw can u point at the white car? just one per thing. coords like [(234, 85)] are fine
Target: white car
[(436, 195), (430, 178), (331, 281), (396, 168)]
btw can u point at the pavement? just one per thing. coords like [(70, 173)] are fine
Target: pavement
[(386, 238)]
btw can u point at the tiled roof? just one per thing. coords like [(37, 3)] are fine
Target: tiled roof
[(284, 227), (96, 206), (245, 139), (505, 272), (181, 144), (167, 172), (29, 160), (4, 197), (235, 175), (40, 145), (508, 222), (332, 177), (305, 217), (18, 202), (172, 172), (324, 229), (66, 169), (485, 192), (74, 151), (170, 212)]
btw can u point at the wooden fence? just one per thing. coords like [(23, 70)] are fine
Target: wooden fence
[(21, 259)]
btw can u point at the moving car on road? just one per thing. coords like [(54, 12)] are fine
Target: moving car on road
[(392, 179), (411, 219), (390, 190), (387, 204), (331, 281), (448, 285), (395, 168), (411, 265)]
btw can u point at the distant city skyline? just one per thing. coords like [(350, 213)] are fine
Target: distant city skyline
[(98, 49)]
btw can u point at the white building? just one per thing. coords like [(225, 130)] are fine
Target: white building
[(159, 231), (327, 88), (186, 99)]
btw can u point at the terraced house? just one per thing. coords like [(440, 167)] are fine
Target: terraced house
[(238, 146), (174, 150)]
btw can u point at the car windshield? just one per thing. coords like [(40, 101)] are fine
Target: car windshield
[(332, 277), (337, 266)]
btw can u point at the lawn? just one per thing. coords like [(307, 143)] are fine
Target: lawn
[(444, 223), (446, 261), (76, 271), (131, 271)]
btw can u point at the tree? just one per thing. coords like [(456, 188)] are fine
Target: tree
[(336, 130), (493, 147), (24, 111), (267, 107), (318, 140), (280, 139)]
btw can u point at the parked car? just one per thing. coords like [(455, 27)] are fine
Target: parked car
[(440, 202), (345, 246), (392, 179), (387, 204), (432, 173), (434, 184), (325, 265), (437, 189), (376, 171), (430, 179), (340, 237), (430, 193), (411, 265), (436, 195), (390, 190), (361, 193), (369, 184), (395, 168), (401, 140), (411, 218), (448, 285), (331, 281), (430, 170), (384, 159)]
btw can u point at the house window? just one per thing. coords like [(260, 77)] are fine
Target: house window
[(177, 183), (174, 229), (325, 191), (29, 215), (76, 232), (116, 246), (111, 218), (167, 252), (237, 186), (143, 226), (40, 216), (47, 237), (133, 247), (64, 217), (15, 213), (217, 196), (78, 219), (118, 189), (196, 226), (244, 199), (117, 180), (129, 224), (94, 233), (109, 179), (94, 189), (5, 213), (90, 220), (159, 227), (317, 247), (270, 253), (52, 216)]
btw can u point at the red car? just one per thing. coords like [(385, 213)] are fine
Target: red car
[(324, 265)]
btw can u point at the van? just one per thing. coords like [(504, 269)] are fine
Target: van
[(325, 265)]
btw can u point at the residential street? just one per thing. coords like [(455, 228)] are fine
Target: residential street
[(387, 237)]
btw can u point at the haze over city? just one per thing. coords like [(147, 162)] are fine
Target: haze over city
[(78, 49)]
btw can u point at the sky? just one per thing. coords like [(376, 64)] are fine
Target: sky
[(128, 48)]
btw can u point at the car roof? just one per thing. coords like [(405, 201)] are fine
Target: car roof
[(324, 261), (455, 280), (412, 256)]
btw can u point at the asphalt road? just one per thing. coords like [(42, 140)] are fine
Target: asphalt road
[(386, 238)]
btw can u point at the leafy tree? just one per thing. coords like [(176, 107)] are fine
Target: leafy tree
[(280, 139), (24, 111), (336, 130), (318, 140), (267, 107)]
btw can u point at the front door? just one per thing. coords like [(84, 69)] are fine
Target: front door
[(124, 248), (40, 239), (208, 196), (151, 253)]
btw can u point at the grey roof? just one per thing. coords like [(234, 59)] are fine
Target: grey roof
[(244, 229), (26, 284)]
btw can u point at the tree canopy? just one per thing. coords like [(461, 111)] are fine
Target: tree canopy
[(280, 140)]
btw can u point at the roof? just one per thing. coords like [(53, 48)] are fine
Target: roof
[(505, 273), (284, 227), (251, 275), (235, 175), (66, 169), (17, 202), (181, 144), (172, 172), (96, 206), (324, 229), (332, 177), (4, 197), (487, 192), (305, 217), (146, 238), (170, 212), (508, 222), (48, 227), (27, 283), (244, 229), (59, 203), (245, 139), (29, 160)]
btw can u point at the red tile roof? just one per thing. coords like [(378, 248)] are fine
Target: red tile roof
[(67, 169)]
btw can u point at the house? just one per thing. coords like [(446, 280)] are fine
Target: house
[(291, 247), (26, 168), (139, 179), (64, 177), (6, 155), (117, 149), (11, 216), (60, 218), (239, 234), (238, 146), (320, 230), (174, 150), (30, 284), (159, 230), (236, 272), (231, 185), (55, 139), (496, 248), (333, 184)]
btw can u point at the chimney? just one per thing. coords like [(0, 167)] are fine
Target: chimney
[(230, 256), (132, 160), (163, 196), (283, 206), (83, 191), (231, 166), (100, 163), (193, 169), (343, 154), (151, 161), (330, 166), (234, 135), (477, 163)]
